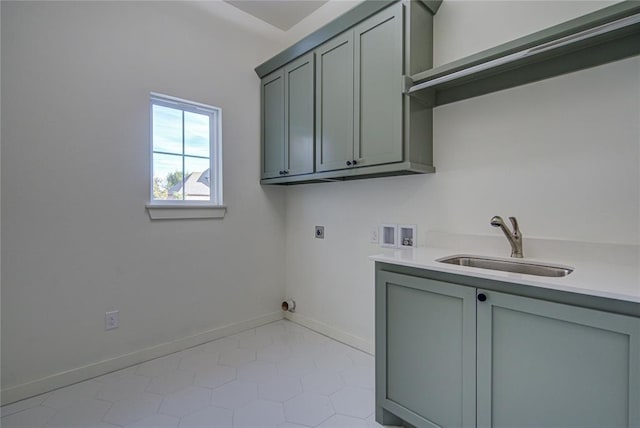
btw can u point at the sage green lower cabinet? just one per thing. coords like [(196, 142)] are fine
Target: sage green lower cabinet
[(425, 352), (452, 355), (545, 364)]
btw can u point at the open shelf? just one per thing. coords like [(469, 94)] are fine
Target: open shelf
[(607, 35)]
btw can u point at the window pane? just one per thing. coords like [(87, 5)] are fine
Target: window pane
[(196, 134), (167, 129), (198, 179), (167, 177)]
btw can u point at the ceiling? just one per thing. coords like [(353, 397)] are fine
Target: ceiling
[(282, 14)]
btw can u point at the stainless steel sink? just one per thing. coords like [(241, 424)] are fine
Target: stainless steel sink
[(514, 266)]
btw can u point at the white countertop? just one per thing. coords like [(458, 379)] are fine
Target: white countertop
[(602, 279)]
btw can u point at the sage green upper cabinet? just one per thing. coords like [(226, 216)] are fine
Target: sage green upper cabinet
[(288, 119), (363, 124), (273, 124), (378, 89), (334, 103), (545, 364), (359, 95), (299, 116)]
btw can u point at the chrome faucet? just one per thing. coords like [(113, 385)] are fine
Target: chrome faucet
[(514, 238)]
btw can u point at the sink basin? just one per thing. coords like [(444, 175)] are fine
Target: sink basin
[(514, 266)]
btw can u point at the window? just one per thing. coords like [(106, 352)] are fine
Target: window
[(185, 154)]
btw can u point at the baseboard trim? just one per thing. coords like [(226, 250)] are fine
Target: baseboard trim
[(332, 332), (69, 377)]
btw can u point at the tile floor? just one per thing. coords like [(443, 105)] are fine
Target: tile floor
[(277, 375)]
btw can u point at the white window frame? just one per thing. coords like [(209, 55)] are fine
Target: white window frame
[(185, 209)]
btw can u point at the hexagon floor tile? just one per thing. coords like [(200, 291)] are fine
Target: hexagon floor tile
[(129, 411), (121, 388), (198, 362), (360, 376), (280, 389), (216, 377), (210, 417), (357, 402), (237, 357), (278, 375), (341, 421), (234, 394), (308, 409), (258, 371), (87, 413), (186, 401), (323, 382), (259, 413), (170, 382), (274, 353), (156, 421), (296, 367)]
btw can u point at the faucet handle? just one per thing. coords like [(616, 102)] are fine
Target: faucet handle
[(514, 223)]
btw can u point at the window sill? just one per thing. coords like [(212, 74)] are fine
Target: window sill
[(159, 211)]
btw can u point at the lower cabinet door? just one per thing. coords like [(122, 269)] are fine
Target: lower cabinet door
[(425, 352), (544, 364)]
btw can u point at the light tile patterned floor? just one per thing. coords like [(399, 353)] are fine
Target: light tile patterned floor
[(277, 375)]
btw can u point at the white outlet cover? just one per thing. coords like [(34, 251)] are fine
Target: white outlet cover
[(111, 320), (373, 235)]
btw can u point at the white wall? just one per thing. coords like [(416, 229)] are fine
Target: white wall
[(326, 13), (562, 155), (76, 238)]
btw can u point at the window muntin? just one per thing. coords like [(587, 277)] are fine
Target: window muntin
[(185, 152)]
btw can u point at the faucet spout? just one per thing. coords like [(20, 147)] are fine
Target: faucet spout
[(514, 238)]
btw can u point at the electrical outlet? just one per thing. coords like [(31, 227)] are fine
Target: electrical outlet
[(320, 232), (373, 235), (111, 320)]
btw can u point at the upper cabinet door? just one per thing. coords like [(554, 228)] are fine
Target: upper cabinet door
[(378, 88), (544, 364), (273, 114), (299, 119), (334, 103)]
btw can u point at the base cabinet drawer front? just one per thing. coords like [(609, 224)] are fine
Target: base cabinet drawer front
[(545, 364), (429, 352), (452, 355)]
